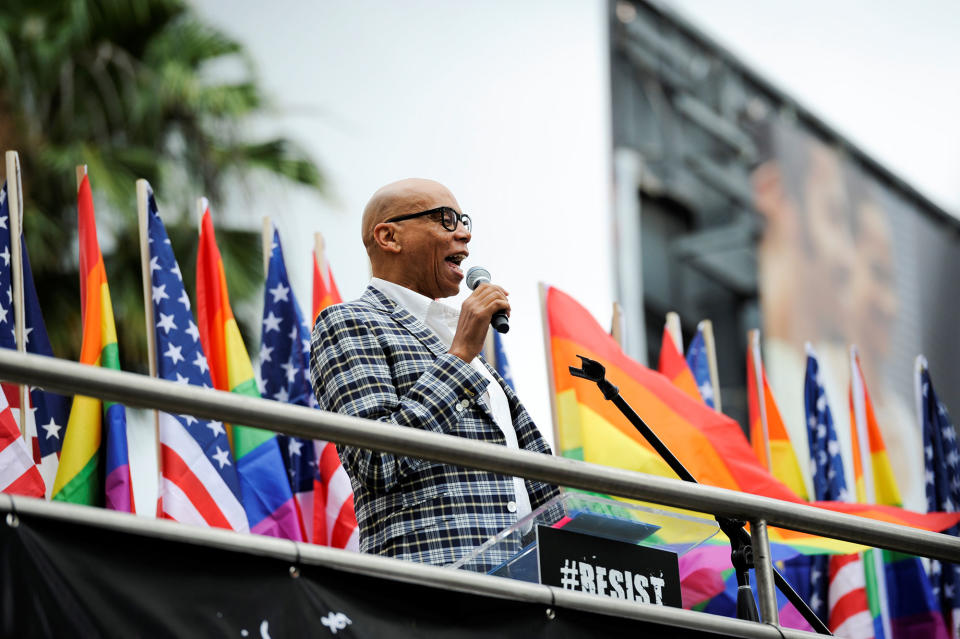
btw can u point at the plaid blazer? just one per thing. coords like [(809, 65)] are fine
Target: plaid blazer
[(371, 358)]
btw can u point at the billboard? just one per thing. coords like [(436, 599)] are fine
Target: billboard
[(845, 258)]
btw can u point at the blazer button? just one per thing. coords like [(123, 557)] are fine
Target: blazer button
[(512, 506)]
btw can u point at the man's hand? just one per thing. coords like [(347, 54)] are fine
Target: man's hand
[(475, 315)]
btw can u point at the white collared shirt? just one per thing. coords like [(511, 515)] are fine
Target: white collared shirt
[(442, 320)]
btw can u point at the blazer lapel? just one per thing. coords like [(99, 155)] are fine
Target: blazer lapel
[(403, 317)]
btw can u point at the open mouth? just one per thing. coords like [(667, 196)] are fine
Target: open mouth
[(455, 261)]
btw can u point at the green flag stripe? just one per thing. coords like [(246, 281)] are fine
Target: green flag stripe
[(85, 487), (246, 438)]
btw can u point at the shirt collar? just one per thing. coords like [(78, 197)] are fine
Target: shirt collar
[(416, 304)]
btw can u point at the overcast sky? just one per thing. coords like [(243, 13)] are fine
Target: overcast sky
[(884, 73)]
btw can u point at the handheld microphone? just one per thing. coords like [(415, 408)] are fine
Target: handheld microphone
[(476, 276)]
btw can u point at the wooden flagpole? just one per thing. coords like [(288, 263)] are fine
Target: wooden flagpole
[(616, 324), (319, 254), (489, 350), (706, 328), (552, 391), (143, 188), (202, 205), (15, 222), (753, 343), (266, 239), (673, 328)]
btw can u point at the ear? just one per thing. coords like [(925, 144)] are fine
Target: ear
[(387, 237)]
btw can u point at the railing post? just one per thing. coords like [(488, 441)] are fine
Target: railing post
[(763, 568)]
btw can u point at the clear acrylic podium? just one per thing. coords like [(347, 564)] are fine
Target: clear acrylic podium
[(513, 552)]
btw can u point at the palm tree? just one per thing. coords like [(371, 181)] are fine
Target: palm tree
[(130, 88)]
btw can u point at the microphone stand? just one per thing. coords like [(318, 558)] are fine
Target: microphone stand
[(740, 544)]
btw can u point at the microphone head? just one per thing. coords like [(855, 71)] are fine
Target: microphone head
[(476, 276)]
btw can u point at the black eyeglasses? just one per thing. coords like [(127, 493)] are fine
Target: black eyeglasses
[(448, 218)]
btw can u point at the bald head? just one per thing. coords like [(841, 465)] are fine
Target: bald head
[(399, 198), (418, 253)]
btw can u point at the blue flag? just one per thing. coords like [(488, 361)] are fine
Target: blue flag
[(285, 377), (199, 482), (502, 365), (700, 367), (50, 410), (942, 463)]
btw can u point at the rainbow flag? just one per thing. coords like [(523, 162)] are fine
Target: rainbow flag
[(709, 444), (674, 366), (769, 436), (85, 476), (900, 595), (265, 491)]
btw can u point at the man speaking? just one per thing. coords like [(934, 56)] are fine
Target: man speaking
[(398, 355)]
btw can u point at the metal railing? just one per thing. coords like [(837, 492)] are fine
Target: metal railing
[(146, 392)]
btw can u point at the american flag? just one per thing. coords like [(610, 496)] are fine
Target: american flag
[(837, 584), (942, 464), (18, 474), (700, 367), (284, 376), (48, 412), (199, 478), (284, 361)]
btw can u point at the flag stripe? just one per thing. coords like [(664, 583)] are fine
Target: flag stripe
[(211, 487), (15, 460), (850, 603), (282, 520), (77, 441), (178, 473), (858, 626), (117, 489), (29, 484), (343, 532), (176, 505), (83, 487)]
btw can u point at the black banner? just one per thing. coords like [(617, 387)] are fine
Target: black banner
[(60, 579), (616, 569)]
